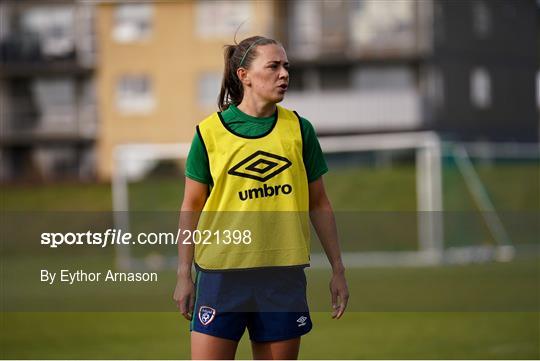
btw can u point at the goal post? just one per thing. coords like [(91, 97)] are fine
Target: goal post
[(429, 203), (125, 156), (131, 161)]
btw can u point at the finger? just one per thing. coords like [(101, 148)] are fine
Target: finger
[(342, 306), (341, 309), (191, 305), (183, 309), (334, 298), (334, 302), (335, 308)]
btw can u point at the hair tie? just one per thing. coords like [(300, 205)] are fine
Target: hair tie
[(247, 51)]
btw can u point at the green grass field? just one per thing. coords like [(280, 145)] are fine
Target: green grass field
[(467, 312), (473, 311), (380, 335), (512, 187)]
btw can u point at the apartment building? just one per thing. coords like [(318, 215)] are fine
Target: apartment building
[(160, 67), (465, 69), (48, 116), (79, 78)]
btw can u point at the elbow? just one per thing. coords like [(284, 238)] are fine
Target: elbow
[(320, 204), (193, 205)]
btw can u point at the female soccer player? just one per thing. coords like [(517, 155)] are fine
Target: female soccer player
[(253, 158)]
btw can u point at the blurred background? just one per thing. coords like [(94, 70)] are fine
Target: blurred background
[(80, 77), (427, 112)]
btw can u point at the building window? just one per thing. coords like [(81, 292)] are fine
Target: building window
[(218, 19), (132, 22), (382, 25), (480, 88), (55, 98), (335, 78), (334, 26), (432, 85), (357, 28), (134, 94), (53, 26), (391, 78), (306, 28), (56, 161), (481, 19), (209, 87)]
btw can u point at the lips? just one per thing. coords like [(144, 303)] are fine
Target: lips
[(283, 86)]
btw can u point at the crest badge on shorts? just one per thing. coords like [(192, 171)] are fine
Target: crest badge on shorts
[(206, 315)]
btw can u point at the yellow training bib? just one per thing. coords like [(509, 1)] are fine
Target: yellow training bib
[(257, 213)]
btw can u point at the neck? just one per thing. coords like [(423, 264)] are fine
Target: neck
[(257, 109)]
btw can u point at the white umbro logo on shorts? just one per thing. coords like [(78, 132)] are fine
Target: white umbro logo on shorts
[(302, 321)]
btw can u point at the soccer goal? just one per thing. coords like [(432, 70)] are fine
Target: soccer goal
[(412, 195)]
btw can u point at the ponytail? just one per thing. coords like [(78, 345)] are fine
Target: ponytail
[(236, 56)]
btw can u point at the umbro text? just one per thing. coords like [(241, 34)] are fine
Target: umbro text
[(265, 191)]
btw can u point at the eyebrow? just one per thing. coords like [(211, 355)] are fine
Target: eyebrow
[(277, 61)]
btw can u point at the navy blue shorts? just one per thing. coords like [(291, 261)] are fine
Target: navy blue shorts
[(271, 303)]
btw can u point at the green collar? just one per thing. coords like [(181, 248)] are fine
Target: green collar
[(237, 113)]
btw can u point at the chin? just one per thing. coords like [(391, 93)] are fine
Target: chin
[(278, 99)]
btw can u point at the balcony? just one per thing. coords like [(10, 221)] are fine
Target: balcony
[(356, 31), (24, 124), (346, 111), (47, 38), (24, 56)]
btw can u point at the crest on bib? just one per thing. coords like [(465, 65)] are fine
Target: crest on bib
[(206, 314)]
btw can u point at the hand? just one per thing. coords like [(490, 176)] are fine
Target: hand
[(340, 294), (184, 296)]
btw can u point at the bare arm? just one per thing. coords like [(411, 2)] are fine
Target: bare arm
[(195, 195), (322, 217)]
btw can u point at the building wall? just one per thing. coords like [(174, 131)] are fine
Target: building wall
[(487, 64), (178, 53)]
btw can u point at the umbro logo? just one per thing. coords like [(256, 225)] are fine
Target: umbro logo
[(260, 166), (302, 321)]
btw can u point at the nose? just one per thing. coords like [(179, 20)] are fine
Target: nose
[(284, 73)]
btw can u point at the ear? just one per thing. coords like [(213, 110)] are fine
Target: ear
[(243, 75)]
